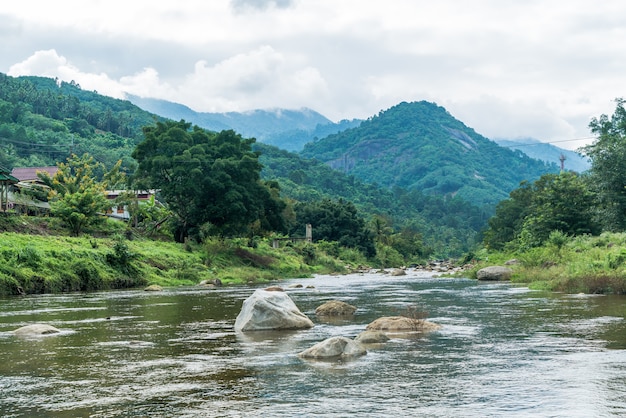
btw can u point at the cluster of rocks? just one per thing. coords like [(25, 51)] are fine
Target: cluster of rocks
[(273, 309)]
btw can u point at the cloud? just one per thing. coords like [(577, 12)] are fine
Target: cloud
[(50, 64), (261, 78), (251, 5)]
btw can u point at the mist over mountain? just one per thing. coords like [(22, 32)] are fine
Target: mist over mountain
[(284, 128), (547, 152)]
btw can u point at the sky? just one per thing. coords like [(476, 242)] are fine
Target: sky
[(506, 68)]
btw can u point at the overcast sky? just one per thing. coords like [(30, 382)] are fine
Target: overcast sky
[(506, 68)]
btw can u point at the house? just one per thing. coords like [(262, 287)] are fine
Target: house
[(28, 175), (121, 211), (27, 179)]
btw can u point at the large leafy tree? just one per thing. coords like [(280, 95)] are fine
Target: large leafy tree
[(210, 181), (608, 168)]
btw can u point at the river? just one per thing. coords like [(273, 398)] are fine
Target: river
[(502, 351)]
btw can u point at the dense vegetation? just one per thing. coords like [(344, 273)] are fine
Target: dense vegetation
[(421, 146), (569, 229), (228, 197), (111, 129), (38, 256), (43, 121), (443, 226)]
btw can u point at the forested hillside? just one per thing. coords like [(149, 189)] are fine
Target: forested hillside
[(446, 225), (43, 121), (420, 146)]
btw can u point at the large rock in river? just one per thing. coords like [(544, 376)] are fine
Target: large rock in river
[(35, 330), (494, 273), (334, 348), (267, 310), (335, 308), (401, 323)]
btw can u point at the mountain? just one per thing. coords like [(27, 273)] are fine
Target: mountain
[(448, 226), (284, 128), (547, 152), (421, 146)]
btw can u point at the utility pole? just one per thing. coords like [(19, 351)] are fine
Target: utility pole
[(562, 159)]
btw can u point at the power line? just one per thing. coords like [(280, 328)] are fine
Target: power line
[(549, 142), (31, 144)]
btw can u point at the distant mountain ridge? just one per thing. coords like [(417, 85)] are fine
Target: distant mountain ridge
[(547, 152), (284, 128), (421, 146)]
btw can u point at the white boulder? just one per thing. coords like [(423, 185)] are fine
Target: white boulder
[(268, 310)]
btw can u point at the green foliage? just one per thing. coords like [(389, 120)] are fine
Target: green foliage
[(121, 257), (75, 195), (447, 226), (335, 221), (421, 146), (555, 202), (581, 264), (608, 167), (207, 179), (387, 256)]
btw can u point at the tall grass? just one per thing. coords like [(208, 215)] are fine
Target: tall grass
[(36, 260), (582, 264)]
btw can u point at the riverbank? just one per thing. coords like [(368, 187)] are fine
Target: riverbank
[(35, 258), (583, 264)]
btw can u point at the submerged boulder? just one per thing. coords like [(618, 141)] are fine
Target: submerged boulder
[(335, 308), (371, 337), (153, 288), (401, 323), (270, 310), (334, 348), (35, 330), (494, 273)]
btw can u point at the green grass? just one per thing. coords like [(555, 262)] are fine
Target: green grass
[(584, 264), (36, 257)]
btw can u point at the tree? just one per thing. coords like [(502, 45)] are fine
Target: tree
[(507, 222), (560, 202), (608, 166), (336, 221), (75, 195), (210, 181), (555, 202)]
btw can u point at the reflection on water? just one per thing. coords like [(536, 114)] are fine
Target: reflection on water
[(502, 351)]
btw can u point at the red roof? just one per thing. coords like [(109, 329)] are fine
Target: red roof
[(30, 173)]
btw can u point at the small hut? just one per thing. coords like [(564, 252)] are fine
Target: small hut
[(6, 181)]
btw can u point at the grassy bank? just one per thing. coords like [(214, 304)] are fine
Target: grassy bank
[(37, 257), (583, 264)]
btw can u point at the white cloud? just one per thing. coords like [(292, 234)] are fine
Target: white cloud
[(262, 78), (505, 68), (50, 64)]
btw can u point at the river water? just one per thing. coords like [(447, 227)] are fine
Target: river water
[(502, 351)]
